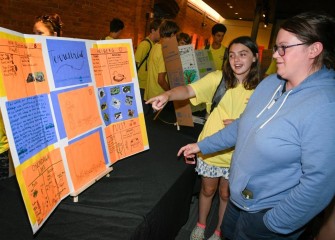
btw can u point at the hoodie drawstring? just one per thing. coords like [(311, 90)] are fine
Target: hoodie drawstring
[(266, 122), (270, 102)]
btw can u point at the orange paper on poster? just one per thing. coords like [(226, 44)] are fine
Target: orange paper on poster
[(124, 139), (46, 183), (111, 65), (79, 111), (23, 69), (85, 160)]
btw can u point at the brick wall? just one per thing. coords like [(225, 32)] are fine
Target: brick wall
[(89, 19)]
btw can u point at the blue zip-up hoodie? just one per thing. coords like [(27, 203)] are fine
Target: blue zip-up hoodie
[(284, 158)]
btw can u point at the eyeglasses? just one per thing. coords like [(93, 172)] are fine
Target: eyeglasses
[(281, 49)]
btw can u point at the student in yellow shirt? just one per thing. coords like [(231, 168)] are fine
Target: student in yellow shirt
[(115, 28), (157, 81), (239, 78), (216, 48), (142, 54), (272, 68)]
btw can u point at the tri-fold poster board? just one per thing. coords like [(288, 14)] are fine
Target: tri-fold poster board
[(71, 108)]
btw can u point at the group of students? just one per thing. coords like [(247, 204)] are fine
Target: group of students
[(152, 73), (273, 139)]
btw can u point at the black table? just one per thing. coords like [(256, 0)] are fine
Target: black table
[(147, 196)]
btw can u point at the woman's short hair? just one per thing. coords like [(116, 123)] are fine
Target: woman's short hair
[(311, 27)]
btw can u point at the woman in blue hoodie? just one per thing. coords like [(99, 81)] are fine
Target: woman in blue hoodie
[(283, 172)]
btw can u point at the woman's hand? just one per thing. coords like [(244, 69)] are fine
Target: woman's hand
[(158, 102), (189, 150)]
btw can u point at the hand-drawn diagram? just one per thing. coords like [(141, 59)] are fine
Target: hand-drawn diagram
[(79, 111), (124, 139), (189, 63), (23, 69), (85, 158), (111, 65), (46, 183)]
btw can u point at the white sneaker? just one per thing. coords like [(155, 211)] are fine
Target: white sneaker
[(215, 237), (198, 233)]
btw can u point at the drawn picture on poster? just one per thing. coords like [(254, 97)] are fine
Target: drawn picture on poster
[(23, 69), (117, 103), (189, 63), (111, 65)]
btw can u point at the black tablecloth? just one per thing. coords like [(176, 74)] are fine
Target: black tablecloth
[(147, 196)]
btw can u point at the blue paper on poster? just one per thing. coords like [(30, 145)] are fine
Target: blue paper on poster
[(32, 125), (117, 103), (69, 62)]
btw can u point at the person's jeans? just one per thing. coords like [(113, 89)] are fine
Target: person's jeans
[(241, 225)]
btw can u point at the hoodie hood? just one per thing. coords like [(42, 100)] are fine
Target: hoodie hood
[(319, 79)]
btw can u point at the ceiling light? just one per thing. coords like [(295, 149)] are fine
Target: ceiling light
[(236, 13), (230, 6), (207, 10)]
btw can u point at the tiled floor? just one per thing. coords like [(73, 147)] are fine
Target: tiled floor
[(185, 231)]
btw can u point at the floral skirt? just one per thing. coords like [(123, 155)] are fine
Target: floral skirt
[(207, 170)]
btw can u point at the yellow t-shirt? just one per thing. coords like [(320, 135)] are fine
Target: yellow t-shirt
[(156, 65), (231, 106), (3, 138), (272, 68), (141, 52), (218, 55)]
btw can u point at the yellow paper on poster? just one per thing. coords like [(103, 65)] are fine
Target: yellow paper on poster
[(79, 110), (85, 159)]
